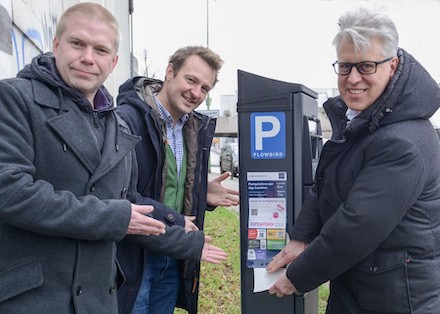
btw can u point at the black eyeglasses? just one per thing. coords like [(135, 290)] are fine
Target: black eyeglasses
[(364, 67)]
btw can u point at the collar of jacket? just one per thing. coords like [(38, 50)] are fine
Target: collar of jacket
[(146, 88)]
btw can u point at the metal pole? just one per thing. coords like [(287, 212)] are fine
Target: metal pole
[(207, 23), (130, 11), (208, 99)]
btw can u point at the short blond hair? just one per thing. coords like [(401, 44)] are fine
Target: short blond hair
[(89, 9), (209, 56)]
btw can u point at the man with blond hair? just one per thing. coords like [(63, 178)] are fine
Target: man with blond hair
[(67, 175)]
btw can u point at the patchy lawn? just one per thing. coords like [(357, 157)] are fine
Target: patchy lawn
[(220, 284)]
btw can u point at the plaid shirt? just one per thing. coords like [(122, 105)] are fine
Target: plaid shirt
[(174, 133)]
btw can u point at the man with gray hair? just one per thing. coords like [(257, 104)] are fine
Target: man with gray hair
[(371, 224)]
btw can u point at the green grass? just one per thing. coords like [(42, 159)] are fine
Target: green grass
[(323, 294), (220, 284)]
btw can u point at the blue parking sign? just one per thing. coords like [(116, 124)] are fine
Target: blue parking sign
[(268, 135)]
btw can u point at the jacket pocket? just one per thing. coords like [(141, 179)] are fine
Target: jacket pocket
[(20, 279), (120, 276), (380, 283), (189, 286)]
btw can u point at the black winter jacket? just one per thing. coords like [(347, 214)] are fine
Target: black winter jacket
[(138, 108), (373, 217)]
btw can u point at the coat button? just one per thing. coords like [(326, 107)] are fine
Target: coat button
[(129, 291), (124, 193), (79, 290), (373, 269), (112, 289), (170, 217), (92, 188)]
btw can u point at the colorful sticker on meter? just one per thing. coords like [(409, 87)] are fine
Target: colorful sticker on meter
[(267, 221)]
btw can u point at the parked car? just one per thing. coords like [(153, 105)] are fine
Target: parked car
[(229, 159)]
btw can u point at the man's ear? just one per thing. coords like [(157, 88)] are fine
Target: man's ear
[(394, 64), (169, 71), (55, 44), (115, 61)]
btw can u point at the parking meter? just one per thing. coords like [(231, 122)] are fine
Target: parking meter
[(275, 149)]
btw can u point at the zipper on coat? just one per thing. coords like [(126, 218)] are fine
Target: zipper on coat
[(95, 119)]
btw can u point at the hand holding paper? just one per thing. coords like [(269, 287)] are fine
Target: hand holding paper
[(283, 286)]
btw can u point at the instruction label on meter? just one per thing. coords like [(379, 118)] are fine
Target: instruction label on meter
[(267, 192)]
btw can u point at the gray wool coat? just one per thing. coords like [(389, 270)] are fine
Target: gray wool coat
[(62, 202)]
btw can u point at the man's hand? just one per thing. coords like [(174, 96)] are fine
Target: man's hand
[(218, 195), (283, 286), (211, 253), (189, 224), (142, 224), (291, 251)]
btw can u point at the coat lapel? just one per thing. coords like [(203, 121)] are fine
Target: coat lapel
[(74, 130), (117, 144)]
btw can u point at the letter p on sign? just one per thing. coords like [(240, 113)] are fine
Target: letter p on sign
[(260, 133)]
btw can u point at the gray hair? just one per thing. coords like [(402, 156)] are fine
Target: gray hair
[(361, 25)]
